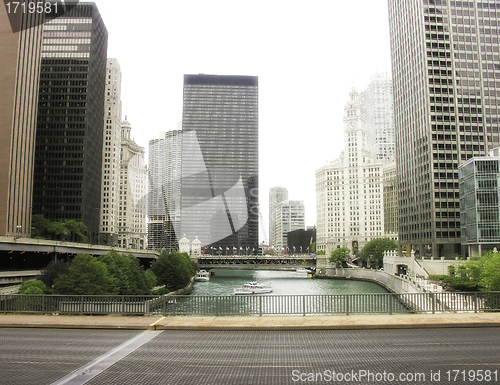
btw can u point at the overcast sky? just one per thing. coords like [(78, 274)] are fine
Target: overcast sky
[(307, 55)]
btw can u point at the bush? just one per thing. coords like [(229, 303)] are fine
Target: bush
[(174, 270), (33, 287)]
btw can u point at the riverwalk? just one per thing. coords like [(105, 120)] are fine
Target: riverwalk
[(289, 323)]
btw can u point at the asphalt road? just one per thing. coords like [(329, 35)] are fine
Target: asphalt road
[(425, 356)]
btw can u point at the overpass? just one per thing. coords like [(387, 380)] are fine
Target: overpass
[(12, 244), (252, 262)]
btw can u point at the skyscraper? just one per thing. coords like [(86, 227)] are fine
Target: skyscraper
[(110, 188), (69, 134), (19, 78), (164, 191), (220, 161), (290, 216), (276, 196), (349, 190), (445, 68), (132, 193), (379, 114)]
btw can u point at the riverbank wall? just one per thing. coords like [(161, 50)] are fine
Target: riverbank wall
[(390, 282)]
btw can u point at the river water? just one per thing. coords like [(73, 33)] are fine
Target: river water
[(223, 282)]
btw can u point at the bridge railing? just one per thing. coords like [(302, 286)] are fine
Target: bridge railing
[(260, 305)]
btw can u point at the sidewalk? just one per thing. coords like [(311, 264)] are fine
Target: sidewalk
[(351, 322)]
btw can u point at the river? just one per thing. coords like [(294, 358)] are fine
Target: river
[(223, 282)]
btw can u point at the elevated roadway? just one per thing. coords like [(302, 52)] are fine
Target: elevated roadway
[(252, 262)]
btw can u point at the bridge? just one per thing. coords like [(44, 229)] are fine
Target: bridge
[(252, 262), (23, 245)]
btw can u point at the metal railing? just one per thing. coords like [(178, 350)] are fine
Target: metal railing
[(187, 305)]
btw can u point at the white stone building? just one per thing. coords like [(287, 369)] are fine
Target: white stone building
[(133, 192), (290, 216), (276, 196), (349, 198), (108, 227)]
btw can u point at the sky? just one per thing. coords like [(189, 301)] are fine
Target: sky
[(308, 55)]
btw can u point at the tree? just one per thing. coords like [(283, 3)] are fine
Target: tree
[(373, 251), (87, 276), (479, 273), (77, 230), (33, 287), (130, 276), (53, 270), (39, 226), (339, 256), (174, 270)]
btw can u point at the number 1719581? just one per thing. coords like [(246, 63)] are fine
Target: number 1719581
[(31, 7)]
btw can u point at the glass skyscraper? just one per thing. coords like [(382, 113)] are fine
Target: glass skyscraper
[(70, 121), (219, 192), (446, 81)]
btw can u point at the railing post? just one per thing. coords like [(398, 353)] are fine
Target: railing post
[(347, 304), (304, 305), (475, 302), (81, 306), (433, 296), (123, 304), (260, 305), (217, 306), (390, 297)]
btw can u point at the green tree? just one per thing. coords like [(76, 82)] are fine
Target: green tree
[(87, 276), (174, 270), (39, 226), (479, 273), (130, 276), (373, 251), (339, 256), (33, 287), (77, 230), (53, 270)]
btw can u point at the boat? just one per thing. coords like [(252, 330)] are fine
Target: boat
[(202, 276), (253, 288), (302, 270)]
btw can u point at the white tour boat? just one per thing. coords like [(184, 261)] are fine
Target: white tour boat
[(202, 276), (253, 288)]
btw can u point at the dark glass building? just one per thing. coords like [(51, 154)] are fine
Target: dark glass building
[(70, 121), (219, 188)]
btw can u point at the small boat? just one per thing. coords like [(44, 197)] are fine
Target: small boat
[(301, 270), (253, 288), (202, 276)]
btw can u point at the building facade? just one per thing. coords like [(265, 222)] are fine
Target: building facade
[(445, 68), (164, 190), (290, 216), (110, 185), (276, 196), (379, 114), (133, 192), (70, 121), (479, 204), (21, 45), (349, 190), (390, 191), (220, 161)]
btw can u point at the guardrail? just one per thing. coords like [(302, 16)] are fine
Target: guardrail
[(187, 305)]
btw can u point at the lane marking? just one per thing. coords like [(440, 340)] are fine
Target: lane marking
[(93, 368), (158, 320)]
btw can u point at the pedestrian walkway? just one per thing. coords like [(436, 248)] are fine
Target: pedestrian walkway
[(351, 322)]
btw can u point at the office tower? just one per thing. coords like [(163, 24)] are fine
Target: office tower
[(133, 192), (69, 134), (445, 68), (220, 161), (110, 188), (19, 77), (390, 191), (164, 191), (276, 196), (379, 113), (479, 204), (349, 199), (290, 216)]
